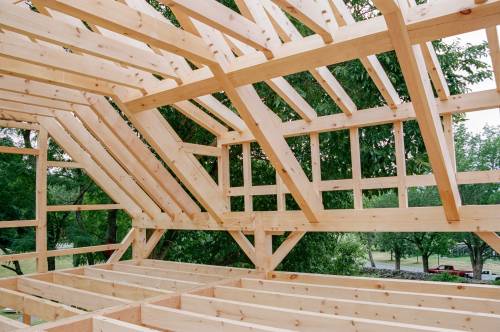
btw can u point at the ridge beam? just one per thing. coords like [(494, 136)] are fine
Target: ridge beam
[(419, 87)]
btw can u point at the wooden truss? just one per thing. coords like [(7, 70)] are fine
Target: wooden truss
[(61, 65), (150, 295)]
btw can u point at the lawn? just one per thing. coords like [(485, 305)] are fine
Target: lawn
[(462, 263), (28, 266)]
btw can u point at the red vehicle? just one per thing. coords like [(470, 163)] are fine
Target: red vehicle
[(450, 269)]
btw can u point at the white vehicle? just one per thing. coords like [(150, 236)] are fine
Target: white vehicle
[(486, 275)]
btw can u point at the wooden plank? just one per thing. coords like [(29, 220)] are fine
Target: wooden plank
[(425, 287), (44, 90), (92, 169), (115, 123), (222, 112), (201, 150), (166, 273), (312, 15), (67, 295), (153, 241), (39, 73), (41, 201), (491, 238), (142, 280), (194, 113), (245, 245), (399, 146), (18, 257), (35, 306), (328, 82), (199, 268), (368, 310), (15, 150), (284, 249), (18, 223), (469, 102), (123, 19), (356, 40), (19, 125), (100, 323), (82, 250), (8, 324), (111, 288), (63, 164), (492, 36), (414, 299), (166, 318), (288, 318), (356, 168), (60, 59), (81, 40), (124, 244), (420, 90), (227, 21), (256, 116), (86, 207)]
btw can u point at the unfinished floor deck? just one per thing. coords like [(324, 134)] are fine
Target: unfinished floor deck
[(150, 295)]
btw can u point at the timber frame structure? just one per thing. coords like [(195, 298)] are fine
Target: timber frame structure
[(61, 65)]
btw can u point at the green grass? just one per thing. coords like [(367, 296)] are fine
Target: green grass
[(461, 263), (29, 266)]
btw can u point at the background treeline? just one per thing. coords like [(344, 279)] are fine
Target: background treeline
[(463, 65)]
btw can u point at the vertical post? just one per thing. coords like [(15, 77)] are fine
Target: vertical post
[(223, 172), (41, 201), (316, 163), (263, 243), (280, 196), (400, 164), (450, 138), (247, 177), (139, 243), (356, 168)]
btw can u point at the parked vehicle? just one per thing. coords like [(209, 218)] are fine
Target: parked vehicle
[(450, 269), (486, 275)]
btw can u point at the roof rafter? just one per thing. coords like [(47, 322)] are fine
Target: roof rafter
[(420, 90), (122, 19)]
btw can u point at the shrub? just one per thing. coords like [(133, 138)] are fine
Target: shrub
[(446, 277)]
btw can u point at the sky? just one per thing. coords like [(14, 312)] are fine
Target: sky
[(477, 120)]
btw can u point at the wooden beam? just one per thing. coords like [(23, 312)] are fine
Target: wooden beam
[(137, 279), (124, 244), (124, 20), (87, 207), (67, 35), (10, 324), (39, 73), (194, 113), (413, 67), (313, 16), (245, 245), (113, 325), (227, 21), (41, 201), (35, 306), (115, 122), (19, 125), (167, 273), (257, 117), (469, 102), (15, 150), (67, 295), (18, 223), (48, 91), (361, 309), (82, 250), (284, 249), (166, 318), (63, 164), (491, 238), (492, 36), (353, 41), (50, 57)]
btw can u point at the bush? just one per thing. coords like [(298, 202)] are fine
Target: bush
[(446, 277), (496, 282)]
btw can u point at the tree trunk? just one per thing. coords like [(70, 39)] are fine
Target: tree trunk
[(111, 232), (369, 245), (397, 262), (425, 263), (477, 263)]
